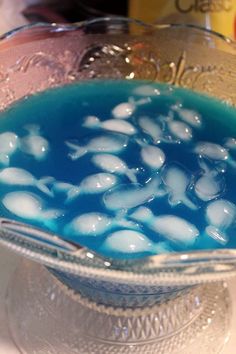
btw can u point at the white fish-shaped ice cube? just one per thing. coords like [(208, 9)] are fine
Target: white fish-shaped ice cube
[(172, 227), (114, 125), (114, 164), (9, 142), (156, 129), (96, 224), (220, 215), (177, 181), (125, 110), (214, 152), (92, 184), (98, 183), (90, 224), (189, 116), (102, 144), (30, 207), (207, 188), (146, 90), (34, 144), (152, 156), (20, 177), (127, 244), (180, 130), (210, 184), (151, 128), (230, 143), (124, 197), (175, 229)]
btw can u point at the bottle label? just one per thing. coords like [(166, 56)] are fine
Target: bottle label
[(204, 6), (218, 15)]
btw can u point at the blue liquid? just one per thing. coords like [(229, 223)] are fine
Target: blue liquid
[(60, 113)]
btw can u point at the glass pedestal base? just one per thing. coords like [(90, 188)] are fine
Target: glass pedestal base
[(45, 317)]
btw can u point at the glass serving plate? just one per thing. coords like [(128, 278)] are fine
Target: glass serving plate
[(165, 303)]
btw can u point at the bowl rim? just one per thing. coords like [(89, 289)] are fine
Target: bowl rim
[(65, 27), (167, 269)]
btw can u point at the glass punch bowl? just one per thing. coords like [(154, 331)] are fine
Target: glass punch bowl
[(65, 299)]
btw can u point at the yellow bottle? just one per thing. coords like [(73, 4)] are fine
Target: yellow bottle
[(218, 15)]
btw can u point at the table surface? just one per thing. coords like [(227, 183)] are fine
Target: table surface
[(8, 263)]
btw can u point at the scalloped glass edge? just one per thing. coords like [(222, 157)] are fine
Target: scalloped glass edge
[(171, 269), (60, 27)]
